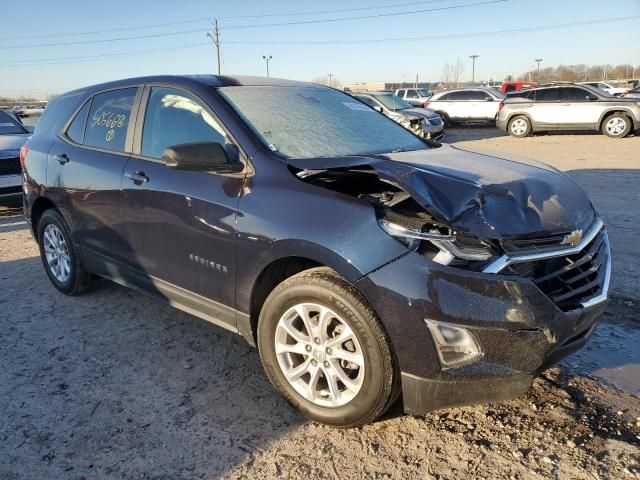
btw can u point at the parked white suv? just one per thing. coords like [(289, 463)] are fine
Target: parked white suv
[(463, 104), (415, 96), (568, 107), (606, 87)]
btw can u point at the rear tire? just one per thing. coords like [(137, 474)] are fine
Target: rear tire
[(317, 323), (60, 255), (519, 126), (617, 125)]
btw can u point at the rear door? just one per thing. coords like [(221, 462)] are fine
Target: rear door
[(546, 109), (181, 224), (85, 166)]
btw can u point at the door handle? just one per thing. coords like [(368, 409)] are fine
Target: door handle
[(137, 177), (61, 159)]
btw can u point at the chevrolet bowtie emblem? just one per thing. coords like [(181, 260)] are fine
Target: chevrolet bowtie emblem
[(573, 238)]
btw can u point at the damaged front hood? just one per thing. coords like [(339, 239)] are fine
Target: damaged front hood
[(487, 196)]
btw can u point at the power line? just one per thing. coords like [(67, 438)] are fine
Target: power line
[(182, 32), (81, 59), (362, 17), (437, 37), (111, 30), (323, 12)]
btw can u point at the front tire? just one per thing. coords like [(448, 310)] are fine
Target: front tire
[(519, 126), (60, 255), (324, 350), (617, 125)]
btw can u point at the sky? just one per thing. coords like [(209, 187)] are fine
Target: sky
[(175, 41)]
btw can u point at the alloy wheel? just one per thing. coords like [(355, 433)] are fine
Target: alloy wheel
[(56, 253), (518, 126), (319, 355), (615, 126)]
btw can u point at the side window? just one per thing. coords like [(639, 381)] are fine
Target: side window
[(550, 95), (573, 94), (109, 118), (76, 130), (368, 101), (445, 97), (412, 94), (174, 117), (477, 95), (458, 96)]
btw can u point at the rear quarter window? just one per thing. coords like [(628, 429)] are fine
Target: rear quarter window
[(108, 119), (76, 130)]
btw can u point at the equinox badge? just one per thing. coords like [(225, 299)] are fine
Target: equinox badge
[(573, 238)]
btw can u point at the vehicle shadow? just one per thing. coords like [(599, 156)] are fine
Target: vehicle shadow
[(468, 132)]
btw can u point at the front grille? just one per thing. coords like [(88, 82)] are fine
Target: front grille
[(572, 279), (10, 166), (435, 121)]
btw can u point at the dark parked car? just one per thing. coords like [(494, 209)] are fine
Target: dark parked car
[(361, 260), (13, 134)]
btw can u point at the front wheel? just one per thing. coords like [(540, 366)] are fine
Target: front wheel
[(617, 125), (519, 126), (324, 350)]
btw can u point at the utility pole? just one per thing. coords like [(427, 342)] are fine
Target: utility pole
[(604, 73), (538, 60), (330, 75), (473, 68), (216, 40), (416, 84), (266, 59)]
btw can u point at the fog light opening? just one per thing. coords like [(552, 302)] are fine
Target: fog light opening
[(456, 346)]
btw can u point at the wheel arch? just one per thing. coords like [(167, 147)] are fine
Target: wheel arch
[(287, 259), (40, 205), (520, 114), (613, 110)]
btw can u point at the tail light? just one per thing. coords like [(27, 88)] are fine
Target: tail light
[(425, 104), (24, 150), (501, 106)]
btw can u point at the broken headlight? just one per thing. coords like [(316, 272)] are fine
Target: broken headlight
[(446, 245)]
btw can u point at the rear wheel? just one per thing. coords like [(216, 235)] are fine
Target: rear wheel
[(617, 125), (519, 126), (60, 255), (325, 351)]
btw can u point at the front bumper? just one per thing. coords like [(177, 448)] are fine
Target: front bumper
[(519, 329)]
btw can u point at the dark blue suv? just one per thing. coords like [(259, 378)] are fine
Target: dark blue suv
[(362, 260)]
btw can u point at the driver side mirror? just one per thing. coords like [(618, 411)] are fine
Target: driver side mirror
[(489, 99), (204, 157), (592, 98), (378, 108)]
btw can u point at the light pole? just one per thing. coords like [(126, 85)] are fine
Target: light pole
[(538, 60), (266, 59), (473, 68), (330, 75), (215, 38)]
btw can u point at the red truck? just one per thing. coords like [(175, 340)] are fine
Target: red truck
[(507, 87)]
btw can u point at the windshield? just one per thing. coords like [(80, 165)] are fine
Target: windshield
[(392, 101), (311, 122), (9, 126), (425, 93)]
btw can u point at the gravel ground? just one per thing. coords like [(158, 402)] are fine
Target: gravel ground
[(114, 385)]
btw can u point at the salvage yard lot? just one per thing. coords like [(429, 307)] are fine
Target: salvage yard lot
[(114, 385)]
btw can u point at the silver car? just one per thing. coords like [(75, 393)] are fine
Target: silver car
[(421, 121), (568, 107), (12, 136)]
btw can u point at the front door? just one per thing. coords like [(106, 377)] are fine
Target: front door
[(580, 109), (181, 224)]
